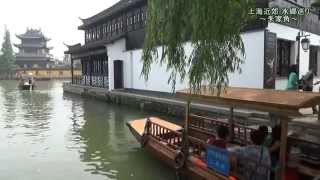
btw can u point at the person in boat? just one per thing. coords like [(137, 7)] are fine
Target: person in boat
[(307, 84), (221, 140), (30, 81), (267, 137), (307, 81), (293, 78), (274, 149), (254, 160)]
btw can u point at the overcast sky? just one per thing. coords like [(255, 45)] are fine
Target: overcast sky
[(58, 19)]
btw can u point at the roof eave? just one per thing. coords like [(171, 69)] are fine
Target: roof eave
[(104, 14)]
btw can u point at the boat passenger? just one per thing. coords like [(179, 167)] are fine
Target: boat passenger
[(293, 78), (253, 161), (307, 84), (274, 149), (221, 140), (267, 137)]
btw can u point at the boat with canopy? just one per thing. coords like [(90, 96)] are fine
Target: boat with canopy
[(182, 147), (27, 82)]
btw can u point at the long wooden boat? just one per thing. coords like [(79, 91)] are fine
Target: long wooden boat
[(164, 140), (27, 83), (182, 147)]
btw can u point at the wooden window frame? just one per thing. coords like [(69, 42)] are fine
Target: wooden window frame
[(314, 62), (283, 57)]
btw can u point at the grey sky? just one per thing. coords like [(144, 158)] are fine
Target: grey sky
[(58, 19)]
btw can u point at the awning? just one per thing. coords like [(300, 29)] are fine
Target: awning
[(286, 103)]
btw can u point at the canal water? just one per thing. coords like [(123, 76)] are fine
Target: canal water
[(46, 134)]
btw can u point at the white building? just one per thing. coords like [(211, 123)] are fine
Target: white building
[(111, 55)]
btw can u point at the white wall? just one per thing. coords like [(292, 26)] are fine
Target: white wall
[(158, 77), (132, 67), (253, 67), (251, 76), (117, 51)]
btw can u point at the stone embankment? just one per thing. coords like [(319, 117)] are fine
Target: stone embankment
[(172, 105)]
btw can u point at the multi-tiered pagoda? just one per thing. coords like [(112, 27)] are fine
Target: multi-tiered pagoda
[(33, 50)]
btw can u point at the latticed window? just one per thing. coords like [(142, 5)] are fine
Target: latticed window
[(283, 62), (138, 16), (313, 59), (142, 16)]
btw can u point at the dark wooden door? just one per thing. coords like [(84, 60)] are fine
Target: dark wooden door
[(270, 60), (118, 74), (313, 59)]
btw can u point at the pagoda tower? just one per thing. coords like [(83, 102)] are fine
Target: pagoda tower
[(33, 51)]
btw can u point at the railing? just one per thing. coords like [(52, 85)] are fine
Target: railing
[(206, 123), (196, 146), (93, 81), (241, 134), (163, 134), (33, 55)]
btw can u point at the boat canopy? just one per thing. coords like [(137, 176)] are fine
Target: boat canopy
[(287, 103)]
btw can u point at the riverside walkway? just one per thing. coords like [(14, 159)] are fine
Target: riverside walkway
[(169, 103)]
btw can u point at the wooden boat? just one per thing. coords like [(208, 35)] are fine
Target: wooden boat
[(182, 148), (27, 83), (166, 149)]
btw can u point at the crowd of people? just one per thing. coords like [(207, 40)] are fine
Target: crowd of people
[(259, 160)]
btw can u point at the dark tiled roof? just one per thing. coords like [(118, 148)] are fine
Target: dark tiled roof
[(122, 5), (78, 48), (32, 33)]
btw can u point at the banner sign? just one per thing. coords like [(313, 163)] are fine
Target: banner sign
[(218, 160)]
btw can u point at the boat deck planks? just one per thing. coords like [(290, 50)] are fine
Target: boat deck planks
[(139, 125)]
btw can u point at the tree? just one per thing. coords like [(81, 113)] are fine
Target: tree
[(316, 4), (213, 28), (7, 58)]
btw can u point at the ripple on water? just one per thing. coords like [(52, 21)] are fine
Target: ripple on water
[(48, 129)]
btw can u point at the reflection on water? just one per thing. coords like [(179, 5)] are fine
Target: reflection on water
[(46, 134)]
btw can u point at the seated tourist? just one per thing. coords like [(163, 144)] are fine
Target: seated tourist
[(221, 140), (274, 149), (253, 161), (267, 137)]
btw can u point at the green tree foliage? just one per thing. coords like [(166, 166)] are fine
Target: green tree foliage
[(212, 27), (316, 4), (7, 58)]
